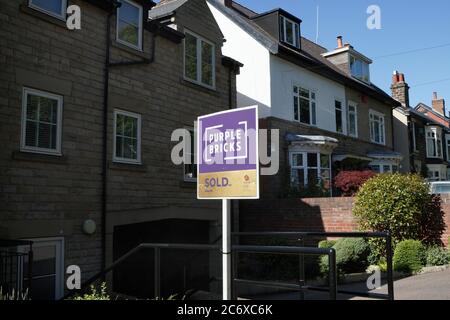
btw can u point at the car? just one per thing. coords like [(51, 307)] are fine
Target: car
[(441, 187)]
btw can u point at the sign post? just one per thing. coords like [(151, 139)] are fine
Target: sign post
[(228, 168)]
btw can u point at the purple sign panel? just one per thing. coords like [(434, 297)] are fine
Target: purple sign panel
[(228, 163)]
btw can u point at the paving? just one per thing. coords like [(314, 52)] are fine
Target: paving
[(429, 286)]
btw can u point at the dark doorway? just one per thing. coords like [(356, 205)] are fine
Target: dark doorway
[(180, 270)]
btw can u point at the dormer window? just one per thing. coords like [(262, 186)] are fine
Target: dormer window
[(359, 69), (289, 32)]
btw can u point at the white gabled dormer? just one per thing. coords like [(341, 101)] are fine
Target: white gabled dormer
[(350, 61)]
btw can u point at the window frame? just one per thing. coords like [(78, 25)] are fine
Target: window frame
[(140, 27), (199, 79), (437, 142), (447, 145), (365, 69), (60, 99), (192, 155), (306, 167), (373, 113), (283, 33), (414, 138), (137, 116), (312, 101), (61, 16), (355, 113), (336, 102)]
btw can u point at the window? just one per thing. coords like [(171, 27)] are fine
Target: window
[(338, 114), (434, 142), (304, 106), (359, 69), (289, 32), (56, 8), (380, 167), (199, 60), (377, 131), (310, 169), (447, 144), (190, 166), (127, 137), (352, 120), (433, 175), (41, 122), (129, 24), (48, 269), (414, 136)]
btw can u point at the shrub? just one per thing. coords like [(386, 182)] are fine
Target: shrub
[(327, 244), (401, 205), (94, 294), (437, 256), (349, 182), (409, 256), (351, 256)]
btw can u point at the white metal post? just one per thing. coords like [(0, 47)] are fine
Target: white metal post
[(226, 249)]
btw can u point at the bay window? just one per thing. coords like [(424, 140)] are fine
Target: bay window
[(310, 169), (434, 142), (304, 106)]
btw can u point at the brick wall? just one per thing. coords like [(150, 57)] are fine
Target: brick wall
[(317, 214)]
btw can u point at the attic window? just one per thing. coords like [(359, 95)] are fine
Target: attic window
[(289, 32), (359, 69)]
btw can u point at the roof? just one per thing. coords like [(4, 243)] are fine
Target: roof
[(421, 104), (165, 8), (308, 57), (292, 137)]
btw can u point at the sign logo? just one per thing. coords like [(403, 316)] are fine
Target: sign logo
[(228, 164)]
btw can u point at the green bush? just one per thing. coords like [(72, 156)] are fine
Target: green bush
[(437, 256), (327, 244), (409, 256), (351, 256), (399, 204), (95, 295)]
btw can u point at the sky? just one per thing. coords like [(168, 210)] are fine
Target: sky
[(408, 30)]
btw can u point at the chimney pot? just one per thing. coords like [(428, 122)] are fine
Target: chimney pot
[(401, 77), (435, 96), (339, 42)]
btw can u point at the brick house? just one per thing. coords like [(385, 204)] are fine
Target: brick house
[(422, 134), (86, 122), (330, 115)]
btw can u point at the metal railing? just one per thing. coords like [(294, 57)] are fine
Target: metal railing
[(302, 236), (12, 273)]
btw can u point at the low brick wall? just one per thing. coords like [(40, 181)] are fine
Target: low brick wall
[(315, 214)]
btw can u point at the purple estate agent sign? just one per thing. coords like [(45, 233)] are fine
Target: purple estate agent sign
[(227, 161)]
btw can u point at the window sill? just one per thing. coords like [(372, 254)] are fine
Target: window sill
[(138, 167), (38, 157), (199, 86), (134, 51), (41, 15), (188, 184)]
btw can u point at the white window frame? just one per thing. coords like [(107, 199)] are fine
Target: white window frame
[(355, 113), (44, 94), (62, 15), (342, 115), (447, 144), (193, 152), (140, 27), (312, 115), (58, 242), (199, 79), (365, 69), (139, 137), (305, 166), (283, 32), (414, 139), (373, 113), (381, 164), (437, 140)]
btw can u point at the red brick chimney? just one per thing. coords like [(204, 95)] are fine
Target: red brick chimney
[(438, 104), (400, 89), (339, 42)]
